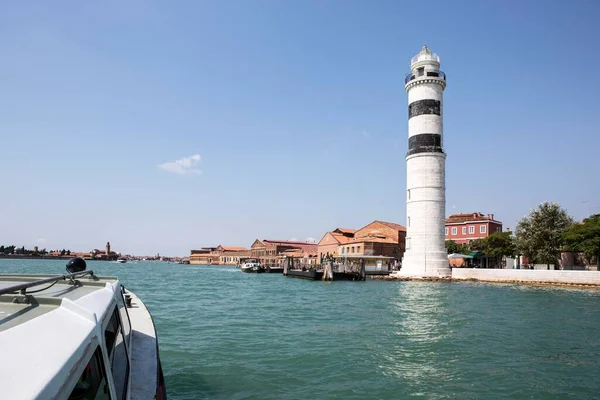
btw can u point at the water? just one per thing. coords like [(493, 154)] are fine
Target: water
[(229, 335)]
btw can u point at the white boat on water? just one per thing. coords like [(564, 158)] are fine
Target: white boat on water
[(252, 265), (121, 260), (76, 336)]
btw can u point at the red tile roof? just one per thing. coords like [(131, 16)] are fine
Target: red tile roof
[(369, 239), (345, 231), (298, 253), (232, 248), (392, 225), (341, 238), (300, 245), (467, 217)]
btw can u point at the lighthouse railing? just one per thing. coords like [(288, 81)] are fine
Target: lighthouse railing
[(428, 74)]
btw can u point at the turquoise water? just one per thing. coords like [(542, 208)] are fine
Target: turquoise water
[(229, 335)]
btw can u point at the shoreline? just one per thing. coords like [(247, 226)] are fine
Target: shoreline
[(503, 282), (31, 257), (40, 257)]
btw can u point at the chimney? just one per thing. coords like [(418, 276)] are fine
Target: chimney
[(491, 216)]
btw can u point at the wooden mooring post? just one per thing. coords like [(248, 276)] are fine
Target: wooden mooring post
[(328, 271)]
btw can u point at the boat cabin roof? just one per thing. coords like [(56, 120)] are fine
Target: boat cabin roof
[(49, 332), (15, 313)]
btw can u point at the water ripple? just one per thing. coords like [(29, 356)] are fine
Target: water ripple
[(229, 335)]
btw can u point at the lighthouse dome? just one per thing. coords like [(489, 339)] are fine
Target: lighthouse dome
[(425, 55)]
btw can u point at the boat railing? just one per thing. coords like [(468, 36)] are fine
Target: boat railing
[(22, 287)]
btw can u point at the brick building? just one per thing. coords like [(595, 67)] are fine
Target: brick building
[(202, 256), (229, 255), (271, 252), (220, 255), (329, 243), (379, 238), (464, 228)]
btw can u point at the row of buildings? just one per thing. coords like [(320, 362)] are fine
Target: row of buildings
[(377, 243)]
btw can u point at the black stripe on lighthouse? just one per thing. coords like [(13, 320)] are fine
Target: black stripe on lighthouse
[(421, 107), (425, 143)]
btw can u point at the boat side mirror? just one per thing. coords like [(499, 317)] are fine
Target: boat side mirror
[(76, 264)]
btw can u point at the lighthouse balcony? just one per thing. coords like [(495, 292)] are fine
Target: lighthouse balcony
[(425, 75)]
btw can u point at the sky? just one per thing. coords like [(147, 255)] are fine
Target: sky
[(166, 126)]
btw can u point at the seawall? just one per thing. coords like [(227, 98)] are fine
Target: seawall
[(590, 278)]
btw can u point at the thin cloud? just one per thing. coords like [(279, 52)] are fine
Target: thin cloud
[(182, 166), (40, 241), (366, 134)]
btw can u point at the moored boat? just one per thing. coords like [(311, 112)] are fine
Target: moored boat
[(252, 266), (76, 336)]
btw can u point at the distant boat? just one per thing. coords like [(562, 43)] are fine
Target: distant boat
[(121, 260), (252, 266)]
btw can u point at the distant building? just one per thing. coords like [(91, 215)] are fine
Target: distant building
[(220, 255), (271, 252), (329, 243), (107, 254), (464, 228), (379, 238), (200, 256), (229, 255)]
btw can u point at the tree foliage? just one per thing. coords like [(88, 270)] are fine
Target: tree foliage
[(453, 247), (585, 237), (539, 236), (478, 245), (500, 244)]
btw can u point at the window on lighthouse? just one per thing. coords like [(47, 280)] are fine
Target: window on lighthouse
[(421, 71)]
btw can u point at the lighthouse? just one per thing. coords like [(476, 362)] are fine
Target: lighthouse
[(425, 254)]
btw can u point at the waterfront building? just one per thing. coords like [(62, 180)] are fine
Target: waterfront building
[(270, 252), (425, 169), (304, 257), (329, 243), (379, 238), (202, 256), (220, 255), (229, 255), (106, 255), (464, 228)]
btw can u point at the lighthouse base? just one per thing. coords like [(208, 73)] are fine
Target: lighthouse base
[(434, 264)]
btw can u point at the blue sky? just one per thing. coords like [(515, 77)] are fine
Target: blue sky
[(294, 113)]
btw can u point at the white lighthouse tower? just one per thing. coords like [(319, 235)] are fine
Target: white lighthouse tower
[(425, 254)]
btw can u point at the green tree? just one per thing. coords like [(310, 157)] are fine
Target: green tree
[(499, 245), (585, 237), (477, 245), (539, 236), (453, 247)]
